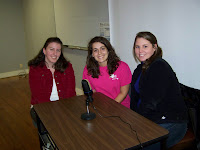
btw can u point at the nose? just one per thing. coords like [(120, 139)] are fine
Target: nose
[(54, 52), (99, 52), (140, 50)]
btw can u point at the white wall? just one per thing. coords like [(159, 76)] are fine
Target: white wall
[(175, 23)]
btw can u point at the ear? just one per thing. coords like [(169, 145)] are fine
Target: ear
[(92, 54), (44, 51), (155, 47)]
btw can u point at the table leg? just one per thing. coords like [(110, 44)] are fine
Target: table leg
[(39, 131), (163, 144)]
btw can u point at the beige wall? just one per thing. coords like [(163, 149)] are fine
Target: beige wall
[(31, 23), (78, 60), (12, 40), (39, 24)]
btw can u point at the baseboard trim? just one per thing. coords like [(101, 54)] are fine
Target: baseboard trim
[(79, 91), (13, 73)]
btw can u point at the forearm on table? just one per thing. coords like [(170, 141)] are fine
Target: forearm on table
[(123, 93)]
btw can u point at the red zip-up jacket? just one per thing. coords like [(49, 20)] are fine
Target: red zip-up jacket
[(41, 83)]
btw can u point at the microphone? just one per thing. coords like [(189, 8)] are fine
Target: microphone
[(88, 92), (87, 89)]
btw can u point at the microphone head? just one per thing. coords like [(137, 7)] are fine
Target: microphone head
[(86, 87)]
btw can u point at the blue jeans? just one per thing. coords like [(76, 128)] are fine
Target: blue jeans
[(176, 133)]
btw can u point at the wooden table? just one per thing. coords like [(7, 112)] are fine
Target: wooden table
[(62, 120)]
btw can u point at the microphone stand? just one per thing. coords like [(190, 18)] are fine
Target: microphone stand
[(88, 115)]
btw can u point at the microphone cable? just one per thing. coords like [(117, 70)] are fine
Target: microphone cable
[(141, 146)]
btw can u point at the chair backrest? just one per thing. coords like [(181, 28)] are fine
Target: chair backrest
[(192, 99)]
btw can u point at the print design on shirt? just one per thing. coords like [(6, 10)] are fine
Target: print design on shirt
[(114, 77)]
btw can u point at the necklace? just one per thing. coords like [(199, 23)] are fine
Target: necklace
[(49, 67)]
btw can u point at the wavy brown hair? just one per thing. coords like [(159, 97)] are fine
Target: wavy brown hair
[(92, 64), (157, 53), (39, 59)]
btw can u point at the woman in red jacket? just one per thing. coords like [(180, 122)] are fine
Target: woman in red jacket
[(51, 76)]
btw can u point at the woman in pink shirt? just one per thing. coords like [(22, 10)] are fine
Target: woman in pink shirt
[(106, 73)]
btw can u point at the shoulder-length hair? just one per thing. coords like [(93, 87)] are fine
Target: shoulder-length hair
[(157, 53), (92, 64), (39, 59)]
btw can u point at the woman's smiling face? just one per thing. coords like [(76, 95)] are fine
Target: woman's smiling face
[(144, 49), (52, 53), (100, 53)]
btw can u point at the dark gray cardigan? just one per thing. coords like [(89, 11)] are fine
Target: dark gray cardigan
[(160, 94)]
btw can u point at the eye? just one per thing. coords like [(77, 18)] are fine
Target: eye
[(58, 50), (145, 46), (136, 46), (94, 50), (103, 48)]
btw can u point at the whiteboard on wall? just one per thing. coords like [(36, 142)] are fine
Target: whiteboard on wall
[(77, 21), (175, 23)]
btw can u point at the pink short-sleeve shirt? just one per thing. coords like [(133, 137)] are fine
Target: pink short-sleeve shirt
[(110, 85)]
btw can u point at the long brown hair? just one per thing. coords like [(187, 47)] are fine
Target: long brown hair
[(39, 59), (157, 53), (92, 64)]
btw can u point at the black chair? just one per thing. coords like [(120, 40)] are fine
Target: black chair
[(191, 140)]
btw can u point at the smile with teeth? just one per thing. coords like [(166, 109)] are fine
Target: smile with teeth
[(100, 57), (141, 55)]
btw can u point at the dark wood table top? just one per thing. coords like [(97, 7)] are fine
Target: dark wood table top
[(62, 120)]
